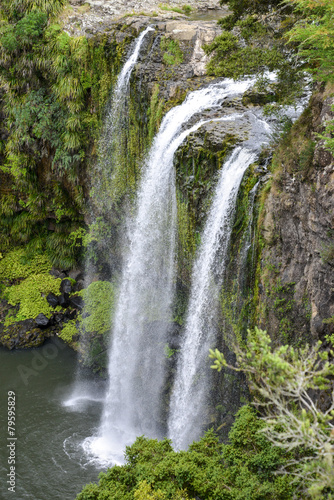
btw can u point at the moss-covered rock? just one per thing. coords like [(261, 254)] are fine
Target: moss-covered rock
[(21, 335)]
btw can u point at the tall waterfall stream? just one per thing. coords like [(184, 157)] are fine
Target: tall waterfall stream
[(191, 384)]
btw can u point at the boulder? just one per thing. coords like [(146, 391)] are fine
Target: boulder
[(77, 302), (66, 286), (52, 300), (42, 321), (63, 300), (22, 335)]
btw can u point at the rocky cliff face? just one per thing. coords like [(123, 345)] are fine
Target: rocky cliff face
[(296, 293), (94, 16)]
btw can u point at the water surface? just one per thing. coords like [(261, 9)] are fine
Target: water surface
[(50, 462)]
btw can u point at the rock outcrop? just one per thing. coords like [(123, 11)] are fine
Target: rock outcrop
[(297, 262)]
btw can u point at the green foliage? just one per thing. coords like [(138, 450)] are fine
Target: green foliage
[(243, 7), (14, 265), (169, 352), (243, 469), (172, 52), (187, 9), (155, 113), (13, 10), (289, 384), (327, 253), (314, 34), (69, 331), (232, 60), (186, 238), (56, 90), (99, 303), (31, 294), (304, 30)]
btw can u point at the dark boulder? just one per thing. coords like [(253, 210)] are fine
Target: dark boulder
[(63, 300), (22, 335), (76, 301), (66, 286), (52, 300), (42, 321)]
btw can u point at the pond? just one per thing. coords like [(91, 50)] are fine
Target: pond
[(50, 424)]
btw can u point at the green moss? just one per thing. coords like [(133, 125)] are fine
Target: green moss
[(99, 300), (238, 295), (173, 54), (30, 296), (69, 331), (155, 113), (14, 265), (233, 61), (186, 238)]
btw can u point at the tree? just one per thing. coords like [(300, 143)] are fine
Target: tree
[(286, 384)]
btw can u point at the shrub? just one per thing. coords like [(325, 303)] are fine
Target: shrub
[(289, 385), (243, 469)]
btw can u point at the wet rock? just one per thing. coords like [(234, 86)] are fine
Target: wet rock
[(66, 286), (297, 228), (258, 97), (68, 315), (63, 300), (42, 321), (22, 335), (57, 273), (52, 300), (76, 301), (174, 336), (76, 274)]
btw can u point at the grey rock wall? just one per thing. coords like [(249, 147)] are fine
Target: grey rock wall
[(297, 265)]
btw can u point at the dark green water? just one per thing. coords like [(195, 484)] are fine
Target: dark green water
[(49, 461)]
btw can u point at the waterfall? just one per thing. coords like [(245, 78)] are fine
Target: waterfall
[(112, 145), (192, 379), (143, 312), (188, 405), (109, 147), (113, 123)]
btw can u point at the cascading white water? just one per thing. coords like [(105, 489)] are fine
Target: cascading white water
[(113, 122), (191, 383), (137, 359), (112, 145), (189, 396), (109, 146)]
